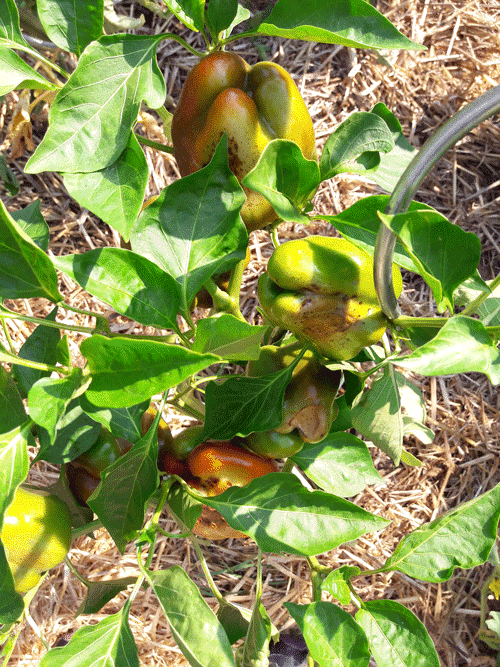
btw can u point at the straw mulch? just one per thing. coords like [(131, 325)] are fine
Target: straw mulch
[(423, 89)]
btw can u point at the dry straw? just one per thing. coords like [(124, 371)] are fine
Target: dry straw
[(423, 89)]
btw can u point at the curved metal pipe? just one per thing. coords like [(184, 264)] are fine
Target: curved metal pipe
[(465, 120)]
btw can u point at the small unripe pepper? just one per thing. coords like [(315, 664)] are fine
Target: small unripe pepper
[(252, 106), (36, 534), (322, 289), (84, 473)]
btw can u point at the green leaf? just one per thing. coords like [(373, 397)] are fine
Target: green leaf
[(183, 506), (9, 23), (120, 501), (396, 637), (392, 164), (355, 23), (76, 432), (14, 462), (91, 118), (110, 643), (254, 652), (285, 178), (229, 338), (8, 177), (11, 603), (63, 354), (129, 283), (220, 14), (489, 310), (101, 592), (235, 620), (49, 397), (115, 193), (122, 422), (12, 412), (31, 221), (18, 74), (336, 583), (444, 254), (39, 346), (25, 270), (282, 515), (377, 416), (462, 345), (190, 12), (125, 371), (193, 624), (360, 224), (332, 635), (69, 24), (355, 145), (462, 537), (340, 464), (240, 404), (194, 229)]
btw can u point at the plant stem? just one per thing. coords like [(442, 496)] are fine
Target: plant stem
[(9, 314), (317, 574), (8, 358), (474, 305), (102, 327), (182, 42), (222, 301), (234, 287), (428, 322), (85, 529), (77, 574), (154, 144)]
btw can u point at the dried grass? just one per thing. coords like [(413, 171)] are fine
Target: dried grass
[(423, 89)]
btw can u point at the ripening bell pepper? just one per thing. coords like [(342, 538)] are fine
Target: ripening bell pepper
[(322, 289), (220, 465), (309, 404), (252, 106), (36, 534)]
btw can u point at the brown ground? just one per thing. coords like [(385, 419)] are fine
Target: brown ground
[(423, 89)]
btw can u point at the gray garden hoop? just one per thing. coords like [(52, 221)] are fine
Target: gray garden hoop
[(465, 120)]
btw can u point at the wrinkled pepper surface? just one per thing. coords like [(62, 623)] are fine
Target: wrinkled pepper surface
[(252, 106), (212, 467), (36, 534), (322, 289), (309, 405)]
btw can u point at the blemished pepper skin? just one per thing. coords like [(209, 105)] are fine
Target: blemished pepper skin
[(220, 465), (309, 406), (252, 106), (321, 288), (36, 534)]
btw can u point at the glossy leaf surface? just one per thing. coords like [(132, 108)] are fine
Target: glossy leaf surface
[(282, 515)]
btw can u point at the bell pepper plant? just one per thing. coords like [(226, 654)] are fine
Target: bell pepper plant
[(286, 395)]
